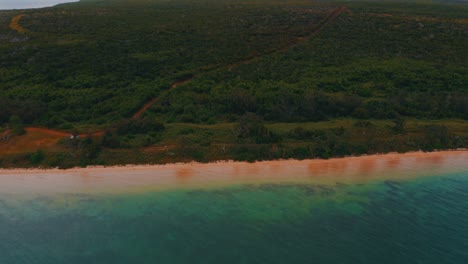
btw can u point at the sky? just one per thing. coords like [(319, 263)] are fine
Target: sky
[(20, 4)]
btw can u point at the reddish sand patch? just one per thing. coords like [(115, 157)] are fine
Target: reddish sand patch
[(33, 140), (59, 133), (14, 24), (47, 131), (38, 138)]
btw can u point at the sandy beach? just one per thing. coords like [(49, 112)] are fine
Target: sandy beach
[(393, 166)]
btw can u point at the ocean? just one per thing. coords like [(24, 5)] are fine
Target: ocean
[(406, 218)]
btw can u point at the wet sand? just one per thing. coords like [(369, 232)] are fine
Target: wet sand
[(133, 178)]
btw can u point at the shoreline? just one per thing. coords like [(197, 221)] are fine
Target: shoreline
[(225, 162), (194, 175)]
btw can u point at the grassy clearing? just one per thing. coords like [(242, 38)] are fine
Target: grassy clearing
[(185, 142)]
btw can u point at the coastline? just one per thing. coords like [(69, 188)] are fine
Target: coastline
[(136, 178), (20, 170)]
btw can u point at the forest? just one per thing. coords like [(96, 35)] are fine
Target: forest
[(154, 81)]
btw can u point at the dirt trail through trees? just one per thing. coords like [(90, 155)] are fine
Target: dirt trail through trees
[(59, 133), (14, 24), (145, 107), (293, 43), (327, 20), (334, 14)]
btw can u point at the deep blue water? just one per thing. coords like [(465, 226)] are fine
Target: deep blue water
[(422, 220)]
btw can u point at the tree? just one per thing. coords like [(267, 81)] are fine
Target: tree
[(16, 125), (251, 126), (399, 126), (437, 137), (111, 139), (37, 157)]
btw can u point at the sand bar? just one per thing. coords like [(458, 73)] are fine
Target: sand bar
[(203, 175)]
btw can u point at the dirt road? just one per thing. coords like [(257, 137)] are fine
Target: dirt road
[(334, 14), (14, 24)]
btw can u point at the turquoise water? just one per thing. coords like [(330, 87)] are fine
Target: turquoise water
[(422, 220)]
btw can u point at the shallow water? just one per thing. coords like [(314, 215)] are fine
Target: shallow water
[(391, 219)]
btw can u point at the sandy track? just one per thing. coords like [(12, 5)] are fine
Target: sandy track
[(59, 133), (14, 24), (334, 14), (145, 107)]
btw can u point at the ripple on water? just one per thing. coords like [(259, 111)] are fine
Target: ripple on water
[(386, 220)]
